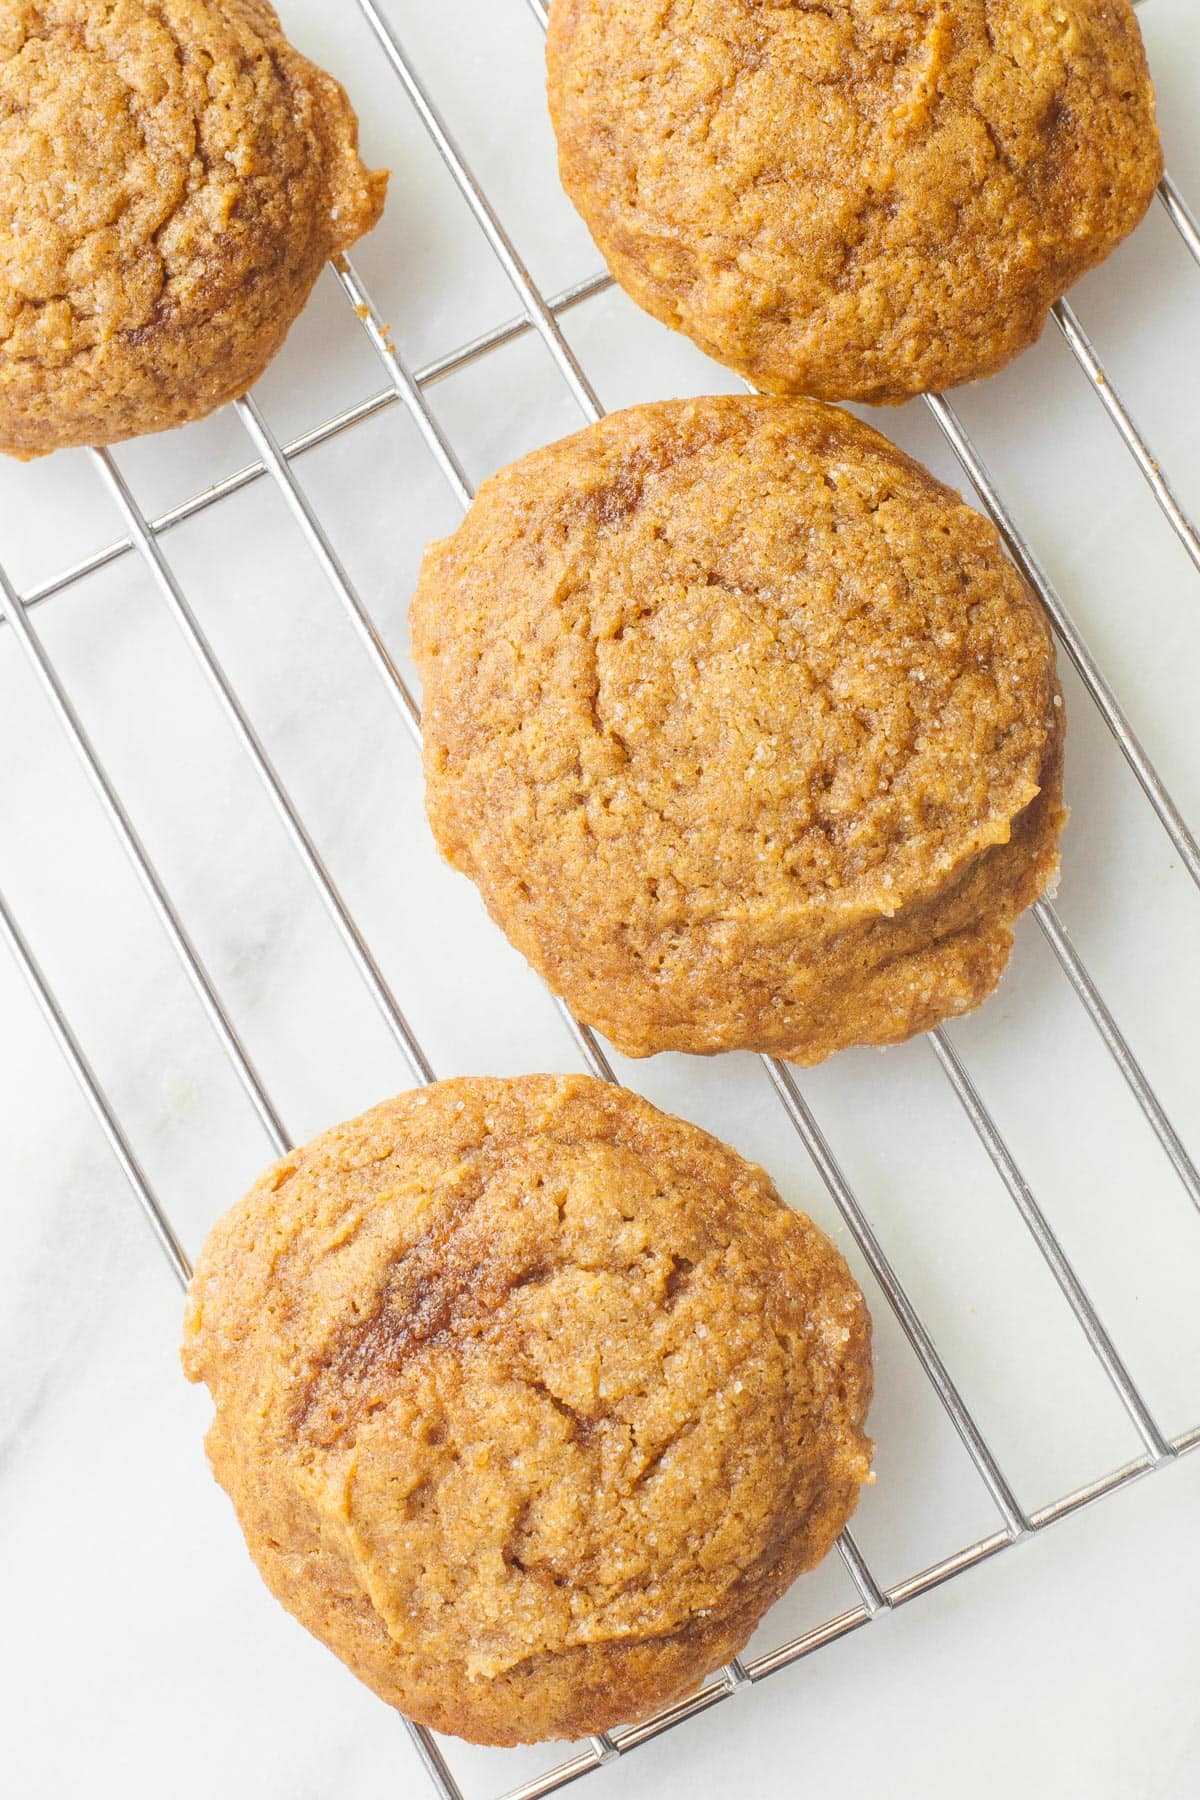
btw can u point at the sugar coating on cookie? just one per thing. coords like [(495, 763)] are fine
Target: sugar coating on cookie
[(173, 175), (744, 725), (863, 200), (530, 1398)]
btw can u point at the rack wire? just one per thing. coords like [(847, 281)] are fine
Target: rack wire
[(147, 540)]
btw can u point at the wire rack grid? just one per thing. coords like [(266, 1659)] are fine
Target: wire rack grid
[(147, 540)]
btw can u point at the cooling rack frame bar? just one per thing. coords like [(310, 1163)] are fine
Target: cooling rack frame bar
[(272, 460)]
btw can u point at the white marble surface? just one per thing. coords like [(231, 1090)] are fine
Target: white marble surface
[(141, 1657)]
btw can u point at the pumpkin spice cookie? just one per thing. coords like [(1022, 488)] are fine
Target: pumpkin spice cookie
[(746, 728), (531, 1399), (861, 200), (173, 175)]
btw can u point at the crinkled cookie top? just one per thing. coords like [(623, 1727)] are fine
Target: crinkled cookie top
[(725, 656), (551, 1370), (859, 199), (167, 168)]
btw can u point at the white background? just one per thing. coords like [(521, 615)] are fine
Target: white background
[(141, 1655)]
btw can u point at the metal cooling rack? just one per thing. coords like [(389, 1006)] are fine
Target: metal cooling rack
[(273, 462)]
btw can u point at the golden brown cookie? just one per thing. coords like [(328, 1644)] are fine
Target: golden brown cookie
[(173, 175), (861, 200), (744, 725), (531, 1399)]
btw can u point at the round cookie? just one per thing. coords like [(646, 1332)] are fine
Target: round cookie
[(173, 175), (860, 201), (531, 1399), (745, 726)]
